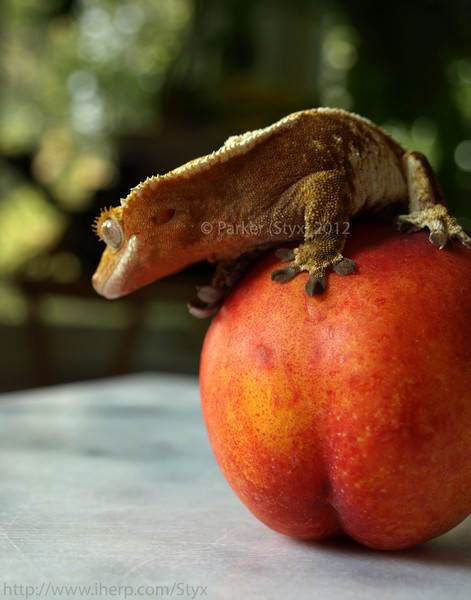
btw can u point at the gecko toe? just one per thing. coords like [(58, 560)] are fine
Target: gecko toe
[(466, 241), (285, 254), (315, 285), (209, 294), (439, 239), (202, 310), (284, 274), (345, 267)]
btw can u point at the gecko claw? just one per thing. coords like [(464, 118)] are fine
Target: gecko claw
[(315, 285), (284, 274)]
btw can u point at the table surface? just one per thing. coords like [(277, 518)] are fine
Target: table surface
[(110, 489)]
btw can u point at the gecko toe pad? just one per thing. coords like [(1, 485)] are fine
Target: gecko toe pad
[(285, 274), (285, 254), (209, 294), (315, 285), (208, 301), (288, 272), (345, 267), (439, 239), (202, 310)]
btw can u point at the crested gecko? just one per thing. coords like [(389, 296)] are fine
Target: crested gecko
[(300, 179)]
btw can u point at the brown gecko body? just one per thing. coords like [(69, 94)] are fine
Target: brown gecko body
[(301, 179)]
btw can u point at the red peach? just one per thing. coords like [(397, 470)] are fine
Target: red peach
[(349, 412)]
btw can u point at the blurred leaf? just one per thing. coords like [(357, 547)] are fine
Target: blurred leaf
[(30, 225)]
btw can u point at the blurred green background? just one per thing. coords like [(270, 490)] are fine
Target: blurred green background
[(95, 95)]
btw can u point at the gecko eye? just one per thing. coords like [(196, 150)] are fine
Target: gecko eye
[(111, 233), (108, 227)]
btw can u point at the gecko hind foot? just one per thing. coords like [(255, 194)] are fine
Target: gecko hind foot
[(436, 218)]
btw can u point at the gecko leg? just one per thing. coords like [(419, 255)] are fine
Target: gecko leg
[(425, 205), (326, 199)]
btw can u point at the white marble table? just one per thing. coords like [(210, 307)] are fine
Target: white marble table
[(111, 486)]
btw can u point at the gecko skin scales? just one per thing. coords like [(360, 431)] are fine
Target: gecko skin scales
[(309, 173)]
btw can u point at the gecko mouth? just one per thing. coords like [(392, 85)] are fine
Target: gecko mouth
[(110, 278)]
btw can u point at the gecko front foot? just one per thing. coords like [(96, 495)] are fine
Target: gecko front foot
[(201, 309), (442, 226), (208, 301), (316, 257), (228, 272)]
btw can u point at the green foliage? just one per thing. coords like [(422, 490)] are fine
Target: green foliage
[(75, 76)]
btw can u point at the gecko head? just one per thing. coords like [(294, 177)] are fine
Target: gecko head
[(142, 238)]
